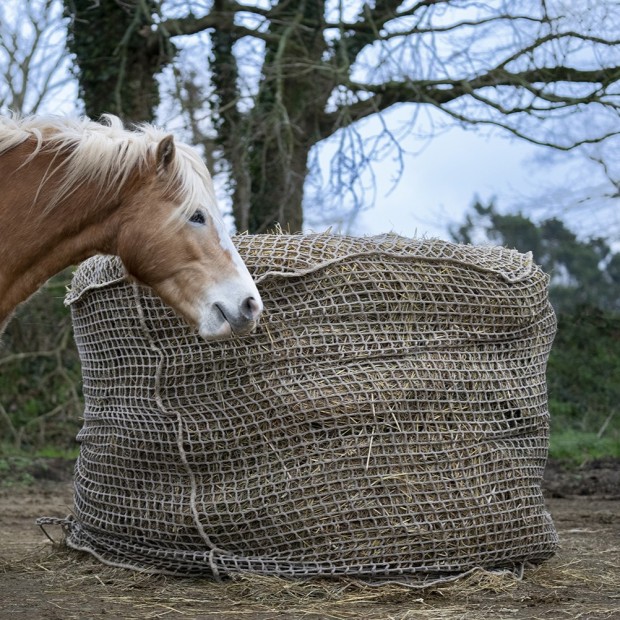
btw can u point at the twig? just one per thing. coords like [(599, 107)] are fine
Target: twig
[(605, 424)]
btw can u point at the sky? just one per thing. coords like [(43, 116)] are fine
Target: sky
[(443, 176), (439, 184)]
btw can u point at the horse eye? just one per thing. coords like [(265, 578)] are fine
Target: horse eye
[(198, 217)]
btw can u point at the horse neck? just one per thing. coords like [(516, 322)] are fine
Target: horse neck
[(37, 242)]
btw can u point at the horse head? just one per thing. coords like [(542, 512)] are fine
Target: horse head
[(173, 239)]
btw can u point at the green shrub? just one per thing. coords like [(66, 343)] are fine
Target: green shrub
[(40, 389), (583, 378)]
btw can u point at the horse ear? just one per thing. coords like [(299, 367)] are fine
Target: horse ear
[(165, 153)]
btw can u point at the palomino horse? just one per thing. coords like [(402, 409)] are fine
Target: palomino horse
[(74, 188)]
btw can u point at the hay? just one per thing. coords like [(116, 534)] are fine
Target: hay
[(574, 585), (388, 420)]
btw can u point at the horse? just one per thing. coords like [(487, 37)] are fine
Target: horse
[(71, 188)]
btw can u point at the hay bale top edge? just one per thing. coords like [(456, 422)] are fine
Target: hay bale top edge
[(281, 255)]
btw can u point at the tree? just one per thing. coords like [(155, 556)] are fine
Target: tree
[(33, 64), (583, 272), (535, 69), (583, 373)]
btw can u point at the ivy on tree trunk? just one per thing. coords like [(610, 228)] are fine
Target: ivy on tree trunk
[(117, 56), (268, 146)]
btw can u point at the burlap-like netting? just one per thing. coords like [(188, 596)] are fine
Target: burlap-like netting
[(388, 418)]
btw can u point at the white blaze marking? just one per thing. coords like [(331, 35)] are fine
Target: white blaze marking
[(227, 244)]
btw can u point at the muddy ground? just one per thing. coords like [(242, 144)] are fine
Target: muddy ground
[(44, 581)]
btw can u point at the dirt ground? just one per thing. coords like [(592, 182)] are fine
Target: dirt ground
[(44, 581)]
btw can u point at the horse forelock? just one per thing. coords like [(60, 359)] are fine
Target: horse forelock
[(107, 154), (192, 181)]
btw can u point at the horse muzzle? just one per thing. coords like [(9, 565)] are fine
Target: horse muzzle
[(224, 318)]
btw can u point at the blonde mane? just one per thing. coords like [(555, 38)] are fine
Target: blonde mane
[(106, 154)]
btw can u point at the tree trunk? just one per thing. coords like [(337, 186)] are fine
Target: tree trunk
[(267, 147), (277, 184), (118, 56)]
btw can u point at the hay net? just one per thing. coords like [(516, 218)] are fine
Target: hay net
[(388, 418)]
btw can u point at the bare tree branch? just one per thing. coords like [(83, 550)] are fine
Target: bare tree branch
[(441, 92), (32, 56)]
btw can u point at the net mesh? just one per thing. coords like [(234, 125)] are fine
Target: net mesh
[(388, 418)]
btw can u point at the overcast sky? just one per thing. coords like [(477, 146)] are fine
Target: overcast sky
[(443, 176), (442, 182)]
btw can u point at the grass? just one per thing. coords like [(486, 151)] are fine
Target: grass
[(575, 447), (14, 471)]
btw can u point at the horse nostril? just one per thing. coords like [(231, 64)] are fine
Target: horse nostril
[(251, 308)]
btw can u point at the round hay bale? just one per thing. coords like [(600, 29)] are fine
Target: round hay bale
[(388, 419)]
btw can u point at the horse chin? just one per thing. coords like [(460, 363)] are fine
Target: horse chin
[(223, 332), (213, 324)]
